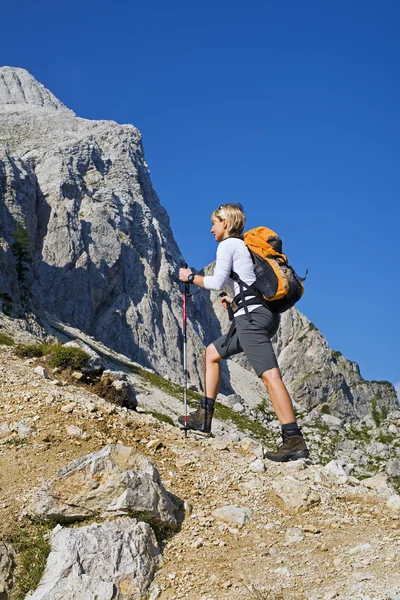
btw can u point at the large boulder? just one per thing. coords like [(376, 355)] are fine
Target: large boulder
[(113, 481), (113, 560), (7, 564)]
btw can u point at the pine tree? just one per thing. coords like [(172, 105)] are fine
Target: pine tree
[(21, 248)]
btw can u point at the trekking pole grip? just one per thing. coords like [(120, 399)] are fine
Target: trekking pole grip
[(229, 307)]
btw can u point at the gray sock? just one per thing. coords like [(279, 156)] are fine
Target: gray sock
[(291, 429)]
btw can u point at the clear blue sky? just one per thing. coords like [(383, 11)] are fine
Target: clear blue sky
[(290, 107)]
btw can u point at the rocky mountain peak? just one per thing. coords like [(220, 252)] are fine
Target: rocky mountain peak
[(18, 88)]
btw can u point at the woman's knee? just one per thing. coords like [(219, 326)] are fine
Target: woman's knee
[(271, 376), (211, 354)]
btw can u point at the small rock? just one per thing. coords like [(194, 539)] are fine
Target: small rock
[(155, 444), (68, 408), (77, 375), (334, 470), (21, 430), (375, 482), (394, 502), (220, 445), (197, 543), (5, 430), (251, 447), (188, 507), (360, 548), (183, 464), (232, 514), (74, 431), (294, 534), (155, 592), (332, 422), (296, 495), (257, 466), (39, 370), (393, 467)]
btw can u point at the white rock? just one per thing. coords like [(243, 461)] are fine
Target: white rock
[(5, 430), (296, 495), (394, 502), (251, 447), (39, 370), (22, 430), (334, 470), (294, 534), (393, 467), (115, 480), (332, 422), (234, 515), (257, 466), (114, 559), (7, 564), (74, 431), (360, 548), (376, 481)]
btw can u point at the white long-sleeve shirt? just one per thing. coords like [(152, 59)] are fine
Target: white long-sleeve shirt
[(232, 255)]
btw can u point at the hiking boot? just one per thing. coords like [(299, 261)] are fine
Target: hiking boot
[(201, 419), (293, 448)]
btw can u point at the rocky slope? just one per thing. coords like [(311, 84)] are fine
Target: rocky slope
[(248, 529), (102, 258)]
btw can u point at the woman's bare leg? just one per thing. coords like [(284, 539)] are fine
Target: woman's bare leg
[(279, 396), (212, 372)]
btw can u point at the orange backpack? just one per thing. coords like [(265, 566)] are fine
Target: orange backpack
[(276, 280)]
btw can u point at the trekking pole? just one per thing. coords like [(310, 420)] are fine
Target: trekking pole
[(186, 295), (229, 306)]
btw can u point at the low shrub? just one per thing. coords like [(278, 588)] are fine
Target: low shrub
[(67, 357), (32, 350), (6, 340)]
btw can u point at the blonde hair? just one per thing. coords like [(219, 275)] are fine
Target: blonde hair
[(234, 215)]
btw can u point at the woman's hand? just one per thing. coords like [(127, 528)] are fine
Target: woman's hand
[(184, 274), (226, 301)]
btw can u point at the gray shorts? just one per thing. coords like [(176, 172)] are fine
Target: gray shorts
[(253, 338)]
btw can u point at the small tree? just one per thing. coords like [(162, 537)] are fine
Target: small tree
[(21, 248)]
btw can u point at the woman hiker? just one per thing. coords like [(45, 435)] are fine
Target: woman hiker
[(251, 335)]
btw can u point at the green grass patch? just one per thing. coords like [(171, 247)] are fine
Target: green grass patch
[(32, 350), (362, 435), (325, 409), (395, 481), (58, 355), (378, 414), (386, 439), (32, 547), (6, 340), (336, 354), (161, 417), (15, 442), (67, 357), (170, 388), (262, 406)]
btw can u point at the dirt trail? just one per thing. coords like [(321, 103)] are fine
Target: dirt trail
[(347, 546)]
